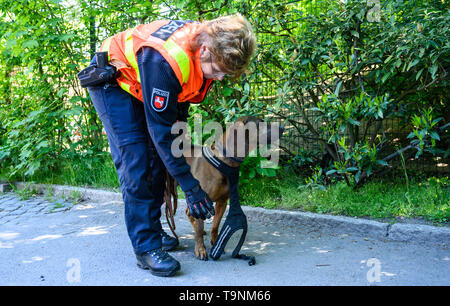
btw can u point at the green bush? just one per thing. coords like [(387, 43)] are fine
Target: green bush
[(346, 71)]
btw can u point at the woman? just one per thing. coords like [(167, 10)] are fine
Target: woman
[(162, 67)]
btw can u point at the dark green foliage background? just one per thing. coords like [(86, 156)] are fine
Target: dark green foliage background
[(336, 60)]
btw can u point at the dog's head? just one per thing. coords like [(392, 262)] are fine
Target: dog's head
[(247, 133)]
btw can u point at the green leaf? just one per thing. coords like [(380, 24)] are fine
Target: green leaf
[(75, 99), (65, 37), (418, 154), (382, 162), (436, 121), (42, 144), (269, 172), (435, 135), (30, 44), (338, 88), (61, 92), (412, 64), (10, 43), (421, 52), (353, 121), (411, 135), (349, 169), (357, 175), (354, 33), (227, 91), (246, 88), (433, 69), (32, 167), (385, 77), (419, 73), (329, 172), (380, 113)]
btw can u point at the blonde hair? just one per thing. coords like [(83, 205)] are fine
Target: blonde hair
[(232, 42)]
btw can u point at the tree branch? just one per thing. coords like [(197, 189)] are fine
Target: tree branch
[(202, 12), (355, 53)]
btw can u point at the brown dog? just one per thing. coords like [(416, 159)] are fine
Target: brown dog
[(213, 182)]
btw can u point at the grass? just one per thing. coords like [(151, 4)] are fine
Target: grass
[(25, 193), (98, 173), (427, 199)]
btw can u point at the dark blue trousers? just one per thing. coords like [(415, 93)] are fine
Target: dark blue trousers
[(140, 170)]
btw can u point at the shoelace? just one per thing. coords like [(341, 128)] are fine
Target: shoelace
[(160, 254)]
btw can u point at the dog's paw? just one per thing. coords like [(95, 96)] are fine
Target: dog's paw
[(201, 253)]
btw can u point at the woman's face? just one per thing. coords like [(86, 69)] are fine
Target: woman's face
[(210, 69)]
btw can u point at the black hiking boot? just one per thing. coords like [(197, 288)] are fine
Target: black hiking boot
[(159, 262), (169, 243)]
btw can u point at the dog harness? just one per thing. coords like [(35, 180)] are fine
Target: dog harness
[(236, 219)]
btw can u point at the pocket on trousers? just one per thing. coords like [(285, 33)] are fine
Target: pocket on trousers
[(98, 99), (126, 120)]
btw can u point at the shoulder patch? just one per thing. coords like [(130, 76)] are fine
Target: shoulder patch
[(159, 100)]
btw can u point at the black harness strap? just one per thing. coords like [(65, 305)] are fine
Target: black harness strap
[(221, 148), (236, 219)]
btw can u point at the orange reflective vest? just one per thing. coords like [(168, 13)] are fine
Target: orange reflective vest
[(171, 39)]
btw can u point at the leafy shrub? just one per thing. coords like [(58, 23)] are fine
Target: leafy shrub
[(345, 72)]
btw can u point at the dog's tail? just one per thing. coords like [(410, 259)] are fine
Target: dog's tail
[(171, 206)]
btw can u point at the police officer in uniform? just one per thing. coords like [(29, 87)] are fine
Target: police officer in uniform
[(162, 67)]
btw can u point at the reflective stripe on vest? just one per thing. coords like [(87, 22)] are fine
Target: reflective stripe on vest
[(129, 53), (180, 57), (105, 46), (125, 86)]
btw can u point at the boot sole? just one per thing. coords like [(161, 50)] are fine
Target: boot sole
[(160, 273)]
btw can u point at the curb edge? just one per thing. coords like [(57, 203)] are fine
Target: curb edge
[(399, 232)]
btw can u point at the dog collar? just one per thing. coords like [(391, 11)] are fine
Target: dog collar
[(228, 171), (221, 148)]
